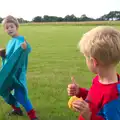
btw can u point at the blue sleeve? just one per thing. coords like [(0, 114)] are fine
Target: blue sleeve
[(111, 110)]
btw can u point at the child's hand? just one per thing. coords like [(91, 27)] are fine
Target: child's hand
[(83, 108), (24, 45), (71, 100), (2, 52), (73, 89)]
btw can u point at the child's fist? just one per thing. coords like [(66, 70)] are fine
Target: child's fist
[(2, 52), (73, 89), (24, 45)]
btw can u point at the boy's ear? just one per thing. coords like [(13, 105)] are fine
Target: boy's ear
[(95, 63), (17, 28)]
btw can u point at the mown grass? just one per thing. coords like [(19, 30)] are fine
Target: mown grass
[(53, 60)]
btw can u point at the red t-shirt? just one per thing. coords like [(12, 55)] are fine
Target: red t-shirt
[(103, 100)]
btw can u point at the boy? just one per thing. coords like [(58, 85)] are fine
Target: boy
[(101, 48), (11, 26)]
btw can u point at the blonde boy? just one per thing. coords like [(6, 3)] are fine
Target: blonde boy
[(101, 48)]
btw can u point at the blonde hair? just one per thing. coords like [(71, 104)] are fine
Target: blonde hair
[(103, 44), (10, 19)]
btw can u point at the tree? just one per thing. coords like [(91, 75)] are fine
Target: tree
[(37, 19), (112, 15), (117, 15), (70, 18), (85, 18), (46, 18), (60, 19)]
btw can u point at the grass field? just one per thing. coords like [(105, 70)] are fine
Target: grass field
[(54, 59)]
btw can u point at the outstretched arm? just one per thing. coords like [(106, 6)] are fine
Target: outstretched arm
[(24, 45)]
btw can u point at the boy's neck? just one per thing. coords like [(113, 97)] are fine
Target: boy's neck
[(16, 35), (108, 75)]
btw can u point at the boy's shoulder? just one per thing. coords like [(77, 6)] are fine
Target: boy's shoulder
[(111, 101), (109, 92), (20, 37), (95, 79)]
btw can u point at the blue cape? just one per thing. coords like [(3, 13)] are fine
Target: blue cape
[(9, 69)]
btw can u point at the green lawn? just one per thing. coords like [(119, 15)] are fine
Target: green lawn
[(54, 59)]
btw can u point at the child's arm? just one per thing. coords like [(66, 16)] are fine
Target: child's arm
[(74, 90), (24, 45), (82, 93), (83, 108)]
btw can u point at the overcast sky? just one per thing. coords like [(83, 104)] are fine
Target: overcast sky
[(28, 9)]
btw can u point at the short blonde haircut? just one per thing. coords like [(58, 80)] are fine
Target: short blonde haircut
[(103, 44), (10, 19)]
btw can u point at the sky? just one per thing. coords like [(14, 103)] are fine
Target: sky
[(28, 9)]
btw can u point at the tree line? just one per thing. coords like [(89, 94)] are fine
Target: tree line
[(112, 15)]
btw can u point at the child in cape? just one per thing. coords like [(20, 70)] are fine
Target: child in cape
[(11, 26), (101, 49)]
